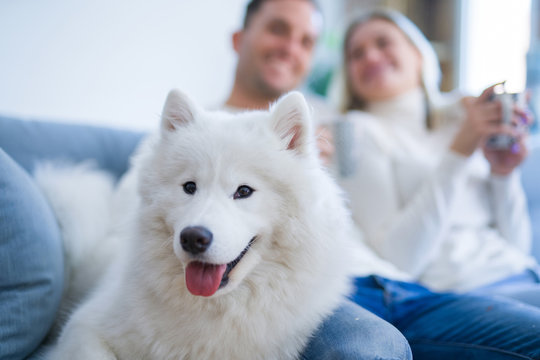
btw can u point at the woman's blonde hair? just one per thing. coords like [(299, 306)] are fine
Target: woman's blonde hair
[(431, 71)]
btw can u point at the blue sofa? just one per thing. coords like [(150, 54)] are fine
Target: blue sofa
[(530, 172), (31, 254), (31, 265)]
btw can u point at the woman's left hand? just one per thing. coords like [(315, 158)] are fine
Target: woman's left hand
[(504, 161)]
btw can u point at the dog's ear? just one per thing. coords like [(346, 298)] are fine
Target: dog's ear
[(177, 111), (291, 120)]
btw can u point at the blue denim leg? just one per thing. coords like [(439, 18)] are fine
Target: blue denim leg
[(524, 287), (31, 262), (451, 326), (354, 333), (478, 328)]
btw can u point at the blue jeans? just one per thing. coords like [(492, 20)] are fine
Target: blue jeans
[(355, 333), (524, 287), (452, 326)]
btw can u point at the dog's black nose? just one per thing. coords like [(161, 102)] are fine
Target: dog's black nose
[(195, 239)]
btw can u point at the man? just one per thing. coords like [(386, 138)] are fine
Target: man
[(275, 48)]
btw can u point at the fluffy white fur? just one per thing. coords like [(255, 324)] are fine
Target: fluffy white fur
[(80, 196), (294, 273)]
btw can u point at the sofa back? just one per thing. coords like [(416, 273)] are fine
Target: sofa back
[(29, 142)]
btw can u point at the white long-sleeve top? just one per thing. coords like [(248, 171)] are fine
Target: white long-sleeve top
[(439, 216)]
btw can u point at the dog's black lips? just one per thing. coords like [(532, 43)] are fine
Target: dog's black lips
[(232, 264)]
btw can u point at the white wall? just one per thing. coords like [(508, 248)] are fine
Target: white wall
[(113, 61)]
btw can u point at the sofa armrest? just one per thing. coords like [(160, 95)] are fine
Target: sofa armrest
[(531, 183)]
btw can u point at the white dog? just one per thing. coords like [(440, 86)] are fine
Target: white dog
[(240, 245)]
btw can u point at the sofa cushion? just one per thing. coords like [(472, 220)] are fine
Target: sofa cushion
[(29, 142), (31, 263)]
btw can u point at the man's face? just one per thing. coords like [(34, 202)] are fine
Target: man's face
[(276, 47)]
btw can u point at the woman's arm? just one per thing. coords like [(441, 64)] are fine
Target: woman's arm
[(511, 211), (509, 201), (409, 233)]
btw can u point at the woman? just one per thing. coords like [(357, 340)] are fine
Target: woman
[(430, 194), (419, 190)]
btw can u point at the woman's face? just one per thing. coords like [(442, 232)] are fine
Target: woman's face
[(381, 61)]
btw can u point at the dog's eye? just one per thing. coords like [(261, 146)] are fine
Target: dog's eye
[(190, 187), (243, 192)]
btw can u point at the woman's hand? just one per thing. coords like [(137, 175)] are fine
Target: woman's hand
[(482, 120), (504, 161)]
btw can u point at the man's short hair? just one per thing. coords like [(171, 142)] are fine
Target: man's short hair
[(254, 5)]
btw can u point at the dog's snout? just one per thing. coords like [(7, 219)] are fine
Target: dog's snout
[(195, 239)]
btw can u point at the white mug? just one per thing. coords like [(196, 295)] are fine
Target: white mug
[(344, 142)]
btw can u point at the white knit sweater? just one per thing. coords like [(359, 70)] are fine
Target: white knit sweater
[(439, 216)]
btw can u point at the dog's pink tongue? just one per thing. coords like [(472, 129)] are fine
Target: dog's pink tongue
[(203, 279)]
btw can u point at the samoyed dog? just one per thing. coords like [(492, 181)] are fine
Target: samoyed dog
[(239, 246)]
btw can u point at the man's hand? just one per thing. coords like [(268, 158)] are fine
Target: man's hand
[(325, 144)]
